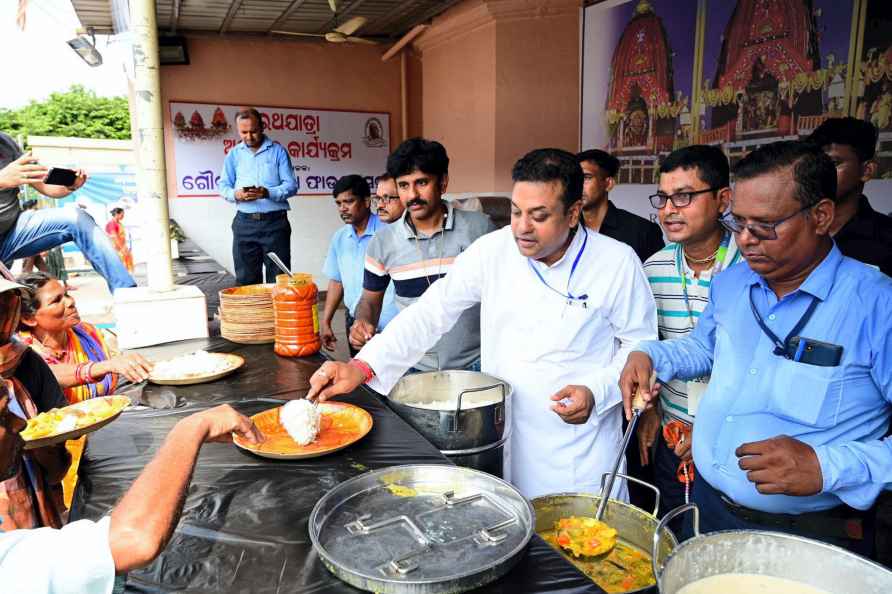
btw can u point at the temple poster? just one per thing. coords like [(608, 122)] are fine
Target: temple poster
[(735, 73), (323, 144)]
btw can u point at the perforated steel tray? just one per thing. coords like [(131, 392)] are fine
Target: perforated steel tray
[(421, 529)]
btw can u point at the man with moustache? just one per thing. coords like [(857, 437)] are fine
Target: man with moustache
[(694, 191), (258, 178), (600, 169), (560, 306), (345, 262), (386, 202), (418, 250), (798, 342)]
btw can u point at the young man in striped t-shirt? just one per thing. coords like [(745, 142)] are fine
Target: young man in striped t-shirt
[(693, 192)]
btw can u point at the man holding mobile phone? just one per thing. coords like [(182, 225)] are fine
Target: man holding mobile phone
[(789, 433), (259, 179), (24, 234)]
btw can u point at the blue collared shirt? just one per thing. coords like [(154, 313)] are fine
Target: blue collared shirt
[(269, 167), (843, 412), (345, 263)]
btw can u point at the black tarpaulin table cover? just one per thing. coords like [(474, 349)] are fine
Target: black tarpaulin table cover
[(244, 524)]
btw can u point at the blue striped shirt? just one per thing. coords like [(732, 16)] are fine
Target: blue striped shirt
[(677, 316)]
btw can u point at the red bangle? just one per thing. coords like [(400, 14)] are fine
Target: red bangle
[(79, 373), (363, 367)]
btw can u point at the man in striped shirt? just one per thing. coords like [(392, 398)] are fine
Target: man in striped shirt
[(693, 192), (418, 249)]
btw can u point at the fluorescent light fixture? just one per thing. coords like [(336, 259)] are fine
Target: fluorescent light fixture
[(86, 50)]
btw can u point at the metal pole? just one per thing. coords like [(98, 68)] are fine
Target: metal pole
[(151, 172)]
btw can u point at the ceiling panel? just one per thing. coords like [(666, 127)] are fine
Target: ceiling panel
[(386, 18)]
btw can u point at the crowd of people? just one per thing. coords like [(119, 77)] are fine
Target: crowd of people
[(766, 320), (782, 364)]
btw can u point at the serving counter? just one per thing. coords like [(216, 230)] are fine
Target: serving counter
[(244, 523)]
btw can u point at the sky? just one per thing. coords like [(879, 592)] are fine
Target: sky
[(37, 62)]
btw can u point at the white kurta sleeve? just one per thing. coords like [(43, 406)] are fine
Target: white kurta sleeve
[(418, 327), (74, 560), (633, 315)]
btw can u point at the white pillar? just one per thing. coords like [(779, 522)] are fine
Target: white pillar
[(151, 174)]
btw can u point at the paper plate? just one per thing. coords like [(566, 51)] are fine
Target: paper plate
[(107, 409), (233, 361), (342, 424)]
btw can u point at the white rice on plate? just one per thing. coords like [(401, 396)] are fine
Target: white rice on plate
[(197, 363), (301, 420)]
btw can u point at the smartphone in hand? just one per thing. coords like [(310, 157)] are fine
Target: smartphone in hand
[(59, 176)]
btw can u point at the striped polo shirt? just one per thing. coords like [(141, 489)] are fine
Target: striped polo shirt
[(677, 315), (414, 261)]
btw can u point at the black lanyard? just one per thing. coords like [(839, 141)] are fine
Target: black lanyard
[(781, 348)]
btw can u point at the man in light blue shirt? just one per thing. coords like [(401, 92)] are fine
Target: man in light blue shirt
[(798, 342), (345, 264), (259, 179)]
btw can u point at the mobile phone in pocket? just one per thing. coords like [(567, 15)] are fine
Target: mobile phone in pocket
[(815, 352)]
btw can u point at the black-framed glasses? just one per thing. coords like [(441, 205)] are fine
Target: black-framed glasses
[(679, 200), (379, 201), (760, 230)]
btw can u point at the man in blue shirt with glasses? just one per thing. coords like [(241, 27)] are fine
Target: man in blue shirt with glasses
[(798, 341), (258, 178)]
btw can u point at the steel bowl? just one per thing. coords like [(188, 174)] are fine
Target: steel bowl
[(465, 417), (826, 567)]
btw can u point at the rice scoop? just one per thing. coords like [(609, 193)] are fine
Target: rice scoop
[(301, 420)]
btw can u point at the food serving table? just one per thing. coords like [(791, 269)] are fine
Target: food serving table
[(244, 524)]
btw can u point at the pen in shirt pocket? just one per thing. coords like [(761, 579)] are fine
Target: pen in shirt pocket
[(800, 350)]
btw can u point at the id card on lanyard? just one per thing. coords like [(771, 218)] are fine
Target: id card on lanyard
[(571, 299), (696, 388)]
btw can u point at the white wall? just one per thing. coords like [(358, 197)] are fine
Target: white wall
[(208, 222)]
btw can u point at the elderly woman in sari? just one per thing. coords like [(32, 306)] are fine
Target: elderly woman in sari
[(80, 356), (32, 496)]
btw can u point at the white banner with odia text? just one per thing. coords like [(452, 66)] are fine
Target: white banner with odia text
[(323, 144)]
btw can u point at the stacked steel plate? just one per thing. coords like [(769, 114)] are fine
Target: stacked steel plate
[(246, 314)]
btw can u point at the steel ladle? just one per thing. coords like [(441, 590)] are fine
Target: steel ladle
[(638, 405)]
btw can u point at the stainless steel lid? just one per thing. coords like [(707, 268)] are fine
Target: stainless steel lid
[(421, 528)]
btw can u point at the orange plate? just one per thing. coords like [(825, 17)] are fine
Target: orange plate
[(342, 424)]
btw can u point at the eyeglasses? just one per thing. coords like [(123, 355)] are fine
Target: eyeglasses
[(679, 200), (379, 201), (761, 231)]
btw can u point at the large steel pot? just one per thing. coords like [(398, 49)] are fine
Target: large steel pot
[(489, 459), (472, 408), (421, 529), (829, 568), (634, 526)]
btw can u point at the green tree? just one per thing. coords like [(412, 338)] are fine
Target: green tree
[(77, 112)]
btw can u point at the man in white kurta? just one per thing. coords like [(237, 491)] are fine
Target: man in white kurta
[(559, 333)]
